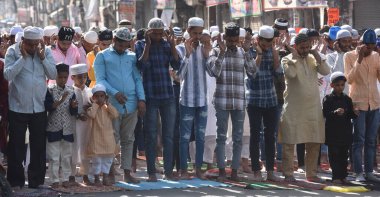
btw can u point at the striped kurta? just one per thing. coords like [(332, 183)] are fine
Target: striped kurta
[(192, 73)]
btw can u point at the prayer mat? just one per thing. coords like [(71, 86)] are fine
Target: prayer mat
[(166, 184), (266, 186), (83, 189), (345, 189), (40, 192)]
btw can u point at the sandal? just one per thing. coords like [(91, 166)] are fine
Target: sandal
[(316, 180), (54, 185), (290, 179)]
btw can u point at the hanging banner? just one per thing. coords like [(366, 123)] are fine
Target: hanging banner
[(333, 16), (290, 4), (165, 4), (242, 8), (127, 10), (210, 3)]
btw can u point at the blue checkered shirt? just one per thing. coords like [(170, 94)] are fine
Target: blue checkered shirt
[(155, 72), (260, 91)]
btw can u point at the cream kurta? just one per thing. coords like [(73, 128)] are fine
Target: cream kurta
[(101, 140), (302, 120)]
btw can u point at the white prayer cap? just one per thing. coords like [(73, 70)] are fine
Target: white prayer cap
[(214, 34), (303, 31), (50, 30), (91, 37), (343, 34), (206, 32), (242, 32), (291, 30), (77, 30), (266, 31), (177, 31), (156, 23), (346, 27), (15, 30), (133, 32), (377, 31), (186, 35), (77, 69), (98, 88), (355, 34), (33, 33), (214, 28), (335, 75), (195, 22), (18, 36)]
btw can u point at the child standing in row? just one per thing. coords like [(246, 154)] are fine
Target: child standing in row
[(61, 104), (83, 124), (101, 145), (338, 111)]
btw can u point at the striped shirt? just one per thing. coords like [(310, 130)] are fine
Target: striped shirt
[(192, 72), (261, 91), (229, 70)]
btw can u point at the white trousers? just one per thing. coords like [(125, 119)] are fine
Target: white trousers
[(101, 165), (59, 154)]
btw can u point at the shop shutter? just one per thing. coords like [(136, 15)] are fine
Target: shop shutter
[(366, 14)]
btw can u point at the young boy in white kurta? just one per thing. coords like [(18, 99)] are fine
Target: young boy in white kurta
[(101, 145), (61, 105), (83, 94)]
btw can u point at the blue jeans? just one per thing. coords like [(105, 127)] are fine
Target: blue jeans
[(237, 119), (190, 116), (166, 108), (365, 134), (268, 116)]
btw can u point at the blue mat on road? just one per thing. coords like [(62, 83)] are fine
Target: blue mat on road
[(165, 184)]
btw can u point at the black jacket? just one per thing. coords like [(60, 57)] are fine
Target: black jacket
[(338, 128)]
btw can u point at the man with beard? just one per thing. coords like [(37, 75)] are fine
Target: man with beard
[(302, 120), (341, 46)]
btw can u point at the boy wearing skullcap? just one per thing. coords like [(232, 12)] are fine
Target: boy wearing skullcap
[(65, 51), (229, 99), (101, 147), (338, 111), (83, 94), (61, 104), (160, 54), (361, 68)]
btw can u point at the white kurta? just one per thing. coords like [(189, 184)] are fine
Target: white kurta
[(302, 120), (83, 128)]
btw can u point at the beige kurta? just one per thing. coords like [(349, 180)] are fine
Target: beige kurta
[(101, 140), (302, 120)]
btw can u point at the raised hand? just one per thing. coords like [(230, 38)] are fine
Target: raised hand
[(22, 49), (170, 36), (221, 43), (336, 47), (255, 45), (148, 41), (41, 50), (247, 42), (189, 46)]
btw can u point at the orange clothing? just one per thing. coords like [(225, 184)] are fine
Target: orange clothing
[(91, 71), (362, 79), (101, 140)]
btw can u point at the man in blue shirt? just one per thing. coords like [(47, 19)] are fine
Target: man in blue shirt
[(115, 68), (155, 55), (262, 103)]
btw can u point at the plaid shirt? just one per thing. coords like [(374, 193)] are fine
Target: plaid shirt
[(229, 70), (155, 72), (261, 91)]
